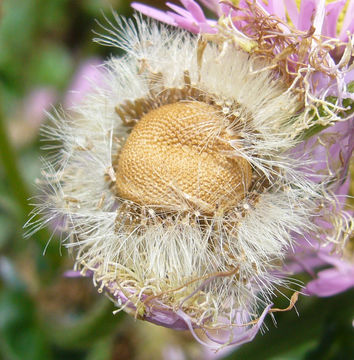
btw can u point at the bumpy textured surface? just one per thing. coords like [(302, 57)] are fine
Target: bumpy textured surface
[(178, 156)]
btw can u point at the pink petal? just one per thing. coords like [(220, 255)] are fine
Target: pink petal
[(153, 13), (212, 5), (194, 9), (302, 262), (179, 10), (332, 12), (275, 7), (306, 15), (184, 23), (329, 283), (226, 9), (292, 11), (348, 23), (207, 28)]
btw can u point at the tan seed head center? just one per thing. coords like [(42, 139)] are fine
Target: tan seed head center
[(178, 156)]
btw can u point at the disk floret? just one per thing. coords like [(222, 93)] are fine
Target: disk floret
[(178, 157)]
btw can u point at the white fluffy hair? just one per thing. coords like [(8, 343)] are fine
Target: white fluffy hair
[(208, 265)]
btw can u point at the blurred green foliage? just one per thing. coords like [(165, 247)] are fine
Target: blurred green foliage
[(46, 316), (42, 44)]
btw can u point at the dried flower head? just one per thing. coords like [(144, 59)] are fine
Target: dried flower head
[(184, 183)]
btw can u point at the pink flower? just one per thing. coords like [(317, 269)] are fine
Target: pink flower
[(314, 17), (192, 18)]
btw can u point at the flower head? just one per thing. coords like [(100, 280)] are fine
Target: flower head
[(187, 179)]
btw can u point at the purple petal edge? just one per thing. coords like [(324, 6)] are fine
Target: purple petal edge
[(153, 13)]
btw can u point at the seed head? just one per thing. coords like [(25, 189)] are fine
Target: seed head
[(178, 155), (186, 222)]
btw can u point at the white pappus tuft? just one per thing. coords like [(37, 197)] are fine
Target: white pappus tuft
[(206, 254)]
